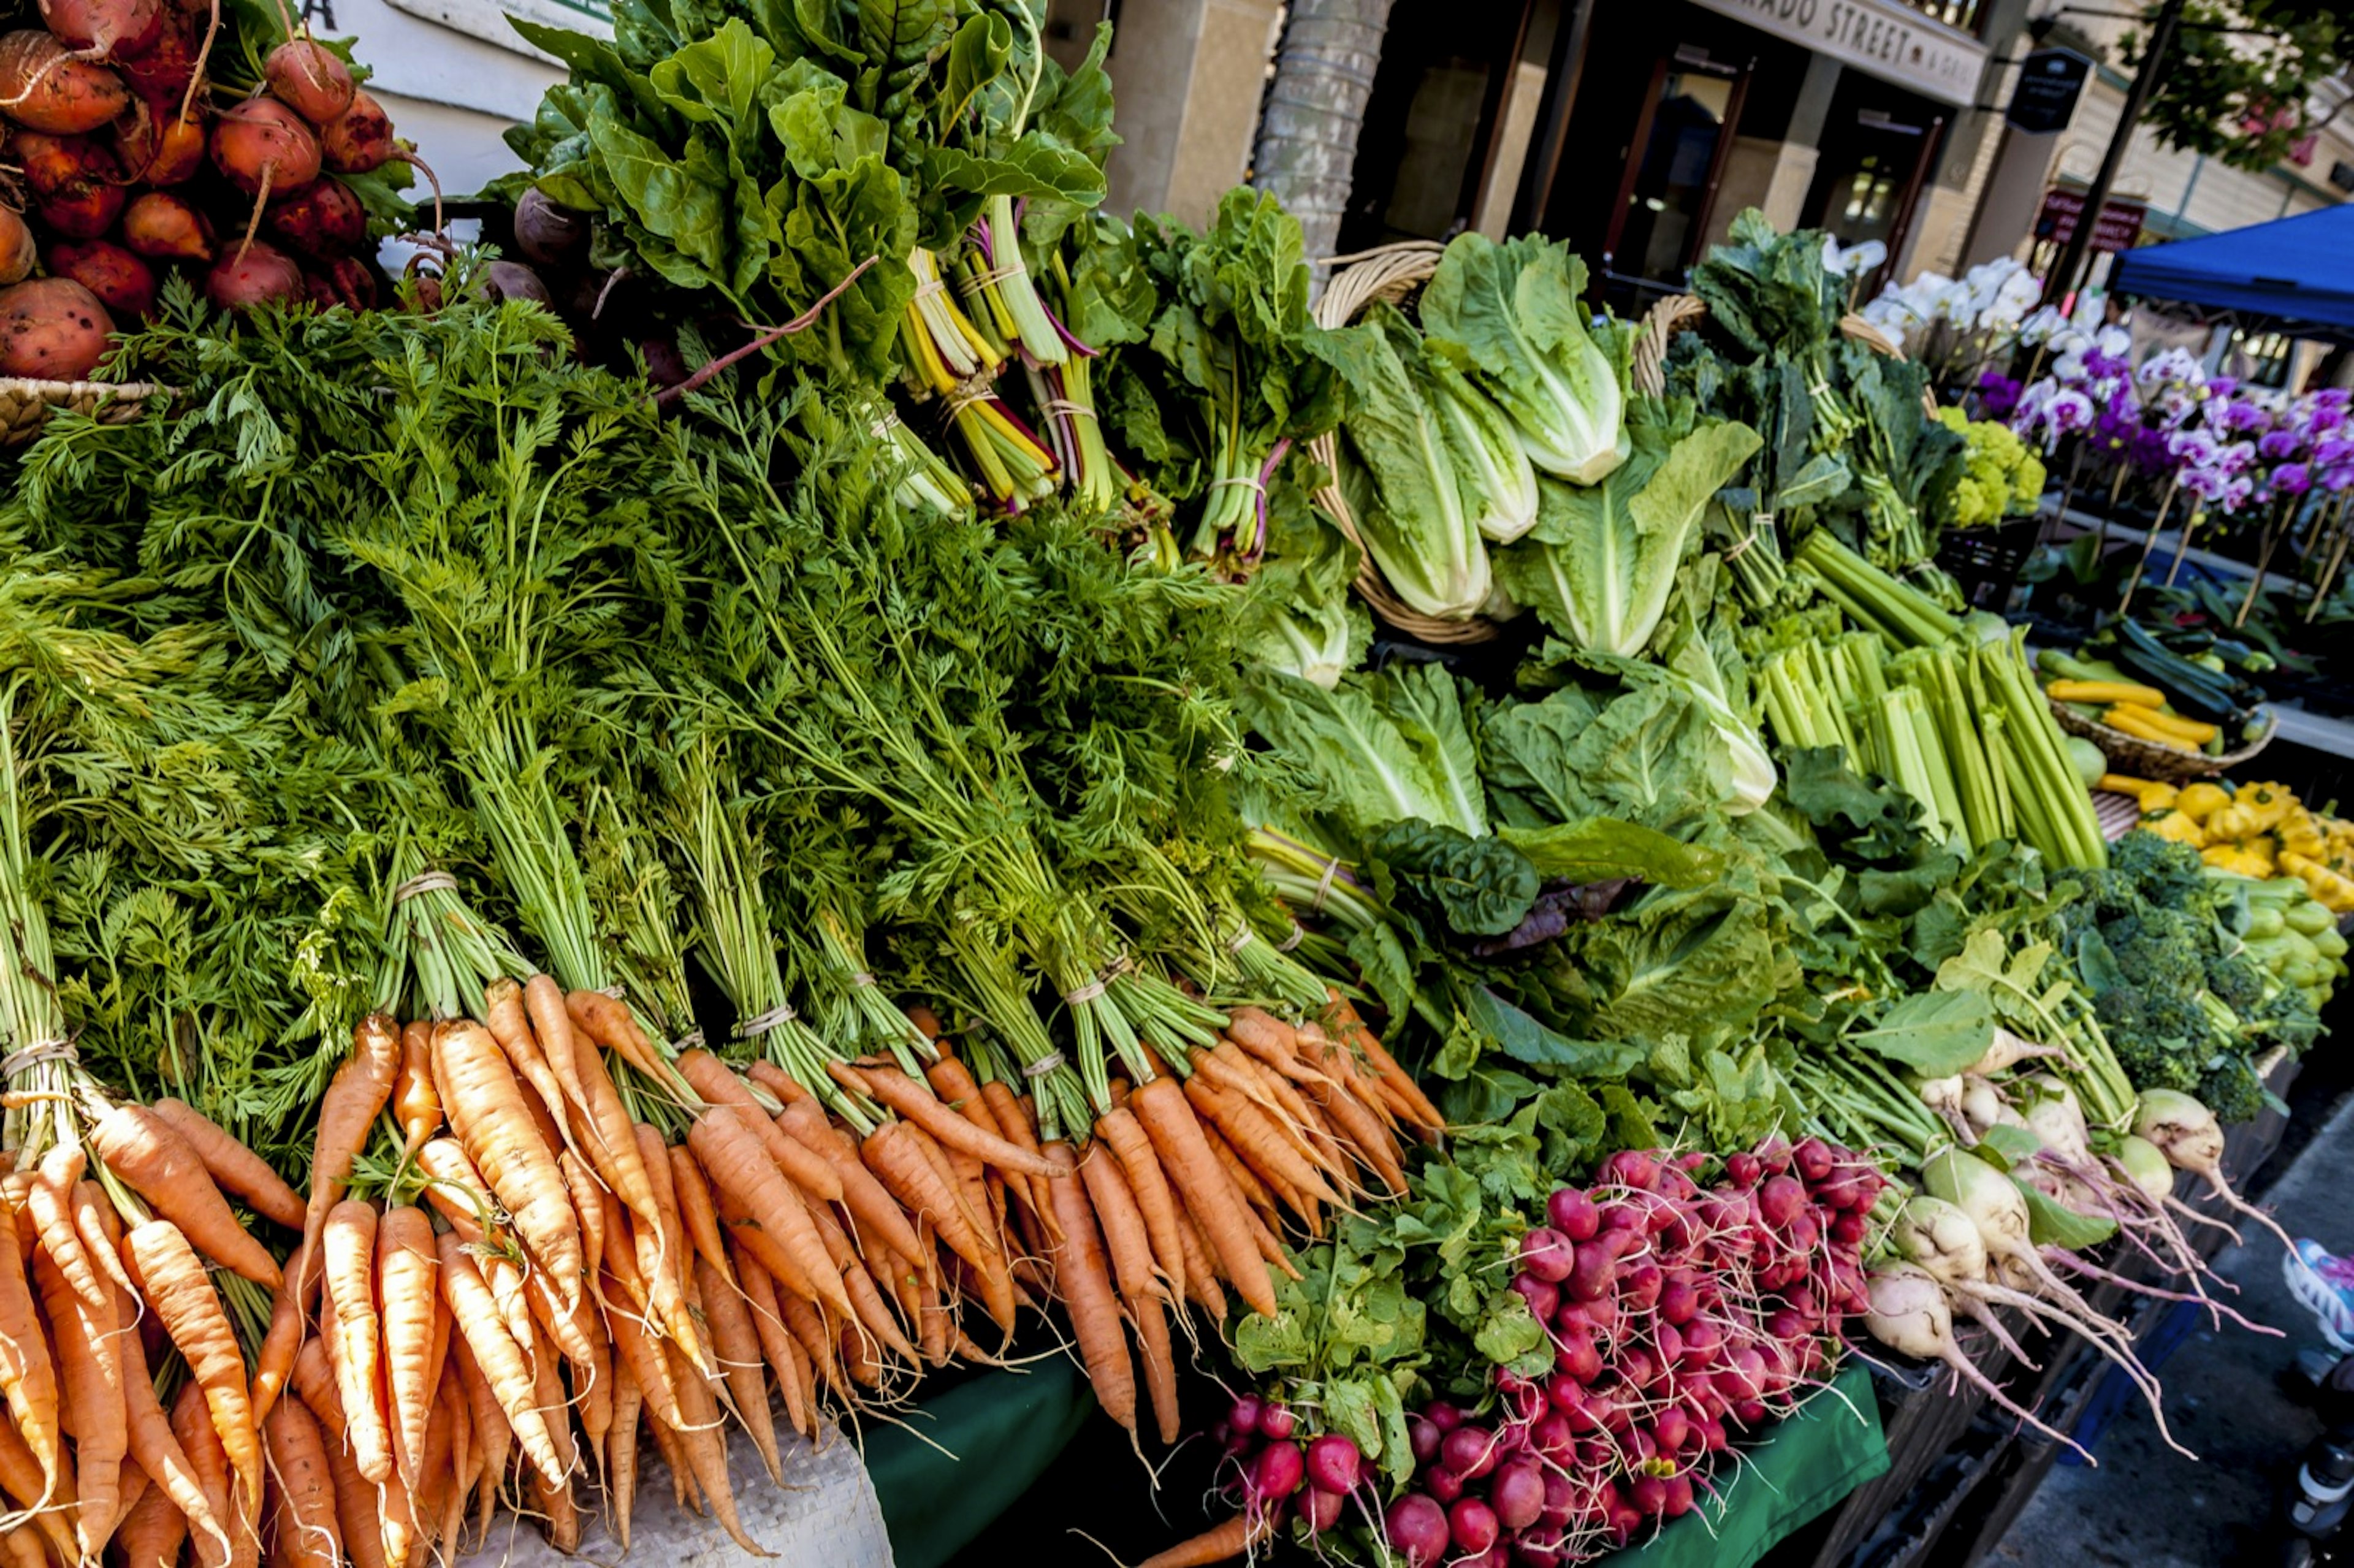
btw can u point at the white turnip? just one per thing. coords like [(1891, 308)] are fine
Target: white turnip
[(1909, 1315), (2008, 1050), (2191, 1138)]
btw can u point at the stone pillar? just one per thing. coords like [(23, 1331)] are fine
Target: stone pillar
[(1187, 76)]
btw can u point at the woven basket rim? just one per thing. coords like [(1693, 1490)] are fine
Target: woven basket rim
[(55, 391), (1393, 272), (2160, 761)]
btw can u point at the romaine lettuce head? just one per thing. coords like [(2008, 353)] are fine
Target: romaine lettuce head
[(1509, 315), (1492, 467), (1397, 472)]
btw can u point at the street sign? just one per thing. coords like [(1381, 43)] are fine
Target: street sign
[(2119, 226), (2050, 81)]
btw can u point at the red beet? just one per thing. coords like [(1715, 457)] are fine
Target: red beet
[(310, 79), (123, 283), (262, 274), (359, 139), (262, 145), (323, 219)]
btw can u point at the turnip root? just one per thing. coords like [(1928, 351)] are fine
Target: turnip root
[(101, 30), (359, 140), (322, 220), (253, 275), (156, 147), (1986, 1108), (16, 252), (2146, 1167), (164, 228), (2008, 1050), (546, 232), (2188, 1134), (123, 283), (45, 87), (1909, 1315), (310, 79), (2054, 1116), (51, 329)]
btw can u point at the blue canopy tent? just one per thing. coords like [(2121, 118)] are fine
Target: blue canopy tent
[(2295, 270)]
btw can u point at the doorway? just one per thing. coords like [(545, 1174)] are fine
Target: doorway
[(1878, 145), (1687, 125)]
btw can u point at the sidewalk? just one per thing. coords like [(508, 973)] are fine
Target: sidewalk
[(2148, 1507)]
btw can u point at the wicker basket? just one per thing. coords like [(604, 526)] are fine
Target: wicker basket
[(1393, 272), (1854, 326), (2143, 759), (25, 405)]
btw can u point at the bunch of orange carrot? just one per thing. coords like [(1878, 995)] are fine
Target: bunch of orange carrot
[(542, 1278)]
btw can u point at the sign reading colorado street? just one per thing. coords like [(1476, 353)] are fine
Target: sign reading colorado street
[(1882, 37)]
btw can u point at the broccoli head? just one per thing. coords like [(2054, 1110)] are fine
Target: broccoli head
[(2239, 982), (2157, 869), (2231, 1090), (2160, 1037)]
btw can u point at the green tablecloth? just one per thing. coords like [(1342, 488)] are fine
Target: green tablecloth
[(1000, 1431), (1806, 1466)]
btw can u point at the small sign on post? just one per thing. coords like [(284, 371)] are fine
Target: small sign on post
[(2119, 226), (2050, 82)]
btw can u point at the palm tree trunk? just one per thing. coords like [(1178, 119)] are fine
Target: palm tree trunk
[(1315, 108)]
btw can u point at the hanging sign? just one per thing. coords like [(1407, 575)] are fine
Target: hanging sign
[(2120, 224), (2050, 82), (1878, 38)]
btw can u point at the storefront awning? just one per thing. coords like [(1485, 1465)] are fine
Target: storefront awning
[(2295, 270)]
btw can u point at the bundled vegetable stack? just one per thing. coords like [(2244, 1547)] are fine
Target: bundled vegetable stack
[(148, 140)]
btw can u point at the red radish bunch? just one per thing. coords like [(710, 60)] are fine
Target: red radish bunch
[(131, 162), (1280, 1470), (1678, 1316)]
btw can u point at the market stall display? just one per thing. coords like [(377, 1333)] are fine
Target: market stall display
[(605, 884)]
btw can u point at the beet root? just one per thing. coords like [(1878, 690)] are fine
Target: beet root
[(262, 274), (123, 283), (359, 140), (162, 226), (322, 219), (52, 329), (262, 145), (310, 79)]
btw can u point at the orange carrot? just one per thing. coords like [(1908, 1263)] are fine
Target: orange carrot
[(737, 1345), (1082, 1281), (1123, 1225), (496, 1354), (856, 1279), (609, 1138), (192, 1425), (734, 1160), (1353, 1032), (416, 1102), (1013, 1121), (49, 1203), (510, 1025), (234, 1167), (355, 1095), (1209, 1195), (27, 1375), (275, 1360), (663, 1250), (309, 1535), (867, 1199), (359, 1511), (710, 1077), (151, 1533), (588, 1204), (893, 1152), (357, 1349), (494, 1438), (100, 1230), (696, 1210), (916, 1103), (1238, 1535), (91, 1374), (608, 1021), (637, 1351), (148, 1431), (485, 1106), (706, 1453), (551, 1028), (157, 1163), (454, 1186), (1148, 1184), (622, 1474), (22, 1478), (775, 1339), (405, 1264), (313, 1382)]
